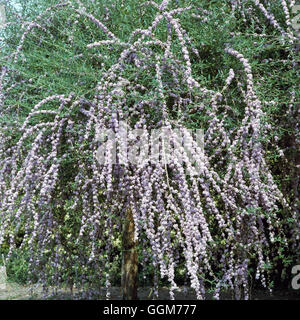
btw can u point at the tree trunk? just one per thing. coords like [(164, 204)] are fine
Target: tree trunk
[(130, 259)]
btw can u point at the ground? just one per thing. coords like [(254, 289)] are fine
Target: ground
[(18, 292)]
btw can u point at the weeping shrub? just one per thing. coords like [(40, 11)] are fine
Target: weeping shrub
[(78, 68)]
